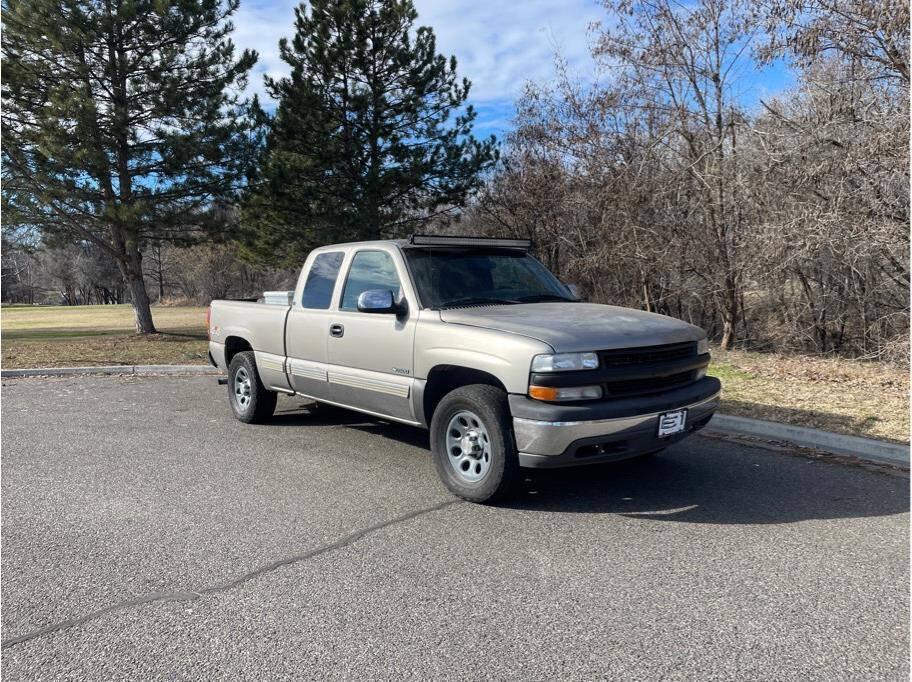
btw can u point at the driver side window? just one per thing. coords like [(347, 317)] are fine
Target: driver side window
[(369, 270)]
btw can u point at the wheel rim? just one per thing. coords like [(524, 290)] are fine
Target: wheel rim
[(468, 446), (242, 388)]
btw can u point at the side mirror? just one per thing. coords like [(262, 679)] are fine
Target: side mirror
[(575, 290), (378, 301)]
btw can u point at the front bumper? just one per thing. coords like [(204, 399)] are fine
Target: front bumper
[(550, 435)]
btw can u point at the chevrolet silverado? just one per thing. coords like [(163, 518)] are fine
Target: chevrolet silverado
[(476, 340)]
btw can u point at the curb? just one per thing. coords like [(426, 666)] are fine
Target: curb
[(802, 436), (865, 448), (110, 369)]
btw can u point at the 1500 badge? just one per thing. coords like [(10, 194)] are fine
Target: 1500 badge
[(399, 370)]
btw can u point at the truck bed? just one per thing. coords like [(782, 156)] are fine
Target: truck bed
[(261, 324)]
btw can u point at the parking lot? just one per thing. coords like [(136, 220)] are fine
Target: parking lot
[(146, 533)]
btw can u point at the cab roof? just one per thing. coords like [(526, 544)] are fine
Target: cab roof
[(451, 241)]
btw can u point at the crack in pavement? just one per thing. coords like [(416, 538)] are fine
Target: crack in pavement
[(190, 595)]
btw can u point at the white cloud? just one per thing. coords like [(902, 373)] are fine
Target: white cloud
[(499, 46), (258, 25)]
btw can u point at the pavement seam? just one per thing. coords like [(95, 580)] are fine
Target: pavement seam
[(193, 595)]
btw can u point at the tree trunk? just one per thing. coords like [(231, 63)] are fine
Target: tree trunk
[(142, 312), (729, 314), (727, 333)]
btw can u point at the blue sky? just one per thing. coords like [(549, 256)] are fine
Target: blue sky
[(499, 46)]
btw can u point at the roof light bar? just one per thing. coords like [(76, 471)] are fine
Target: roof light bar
[(494, 242)]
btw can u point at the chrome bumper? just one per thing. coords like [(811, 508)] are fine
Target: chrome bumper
[(566, 443)]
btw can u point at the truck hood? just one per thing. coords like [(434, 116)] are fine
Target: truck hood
[(573, 327)]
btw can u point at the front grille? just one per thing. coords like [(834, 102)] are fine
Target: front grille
[(625, 357), (647, 385)]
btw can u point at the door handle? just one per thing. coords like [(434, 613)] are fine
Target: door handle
[(336, 330)]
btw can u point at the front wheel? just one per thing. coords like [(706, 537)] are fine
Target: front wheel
[(472, 442), (250, 400)]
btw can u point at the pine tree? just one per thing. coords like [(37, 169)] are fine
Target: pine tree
[(371, 135), (121, 123)]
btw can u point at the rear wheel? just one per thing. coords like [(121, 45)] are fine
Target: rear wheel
[(472, 442), (250, 400)]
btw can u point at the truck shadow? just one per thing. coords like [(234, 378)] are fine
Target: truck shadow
[(308, 414), (700, 480), (704, 480)]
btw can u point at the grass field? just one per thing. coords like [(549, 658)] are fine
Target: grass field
[(845, 396), (69, 336)]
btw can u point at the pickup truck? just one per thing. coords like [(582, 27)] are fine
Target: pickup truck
[(474, 339)]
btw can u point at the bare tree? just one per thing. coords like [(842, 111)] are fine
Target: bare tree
[(876, 33), (784, 227)]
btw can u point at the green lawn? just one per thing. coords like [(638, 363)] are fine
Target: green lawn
[(864, 398)]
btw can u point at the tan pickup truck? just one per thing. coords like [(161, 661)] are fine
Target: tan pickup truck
[(477, 341)]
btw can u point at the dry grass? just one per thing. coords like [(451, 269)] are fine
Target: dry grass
[(63, 336), (845, 396), (29, 322), (863, 398), (113, 349)]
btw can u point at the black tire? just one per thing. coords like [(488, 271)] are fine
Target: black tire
[(258, 404), (501, 472)]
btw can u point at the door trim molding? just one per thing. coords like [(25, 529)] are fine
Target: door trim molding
[(307, 369), (359, 409), (353, 379)]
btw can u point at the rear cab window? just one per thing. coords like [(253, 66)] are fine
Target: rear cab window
[(321, 280)]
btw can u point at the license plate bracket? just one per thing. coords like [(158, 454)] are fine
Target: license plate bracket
[(672, 422)]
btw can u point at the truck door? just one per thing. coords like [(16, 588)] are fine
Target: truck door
[(370, 354), (308, 319)]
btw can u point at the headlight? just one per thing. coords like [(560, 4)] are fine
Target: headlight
[(703, 346), (564, 362), (553, 393)]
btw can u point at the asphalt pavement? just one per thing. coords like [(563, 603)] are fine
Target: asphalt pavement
[(147, 534)]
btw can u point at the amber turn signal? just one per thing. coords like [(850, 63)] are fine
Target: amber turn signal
[(543, 392), (552, 394)]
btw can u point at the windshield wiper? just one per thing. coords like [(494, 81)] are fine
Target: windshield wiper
[(478, 301), (540, 298)]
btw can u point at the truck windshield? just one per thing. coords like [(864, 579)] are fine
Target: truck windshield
[(449, 278)]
